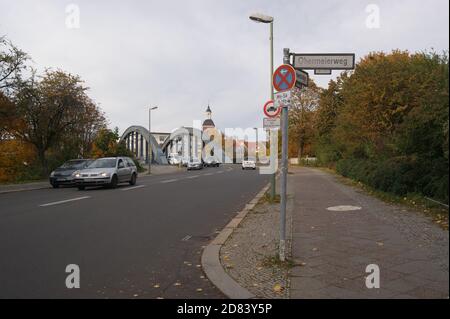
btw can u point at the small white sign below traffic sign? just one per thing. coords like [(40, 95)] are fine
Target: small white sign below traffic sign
[(271, 123), (283, 99)]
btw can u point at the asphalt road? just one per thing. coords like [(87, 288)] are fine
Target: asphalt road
[(131, 242)]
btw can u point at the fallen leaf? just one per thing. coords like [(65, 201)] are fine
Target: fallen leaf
[(199, 289), (156, 286), (277, 288), (177, 284)]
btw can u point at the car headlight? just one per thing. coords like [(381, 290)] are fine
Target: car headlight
[(104, 174), (76, 174), (52, 174)]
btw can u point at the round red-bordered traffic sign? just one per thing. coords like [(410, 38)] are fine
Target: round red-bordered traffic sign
[(284, 78), (270, 110)]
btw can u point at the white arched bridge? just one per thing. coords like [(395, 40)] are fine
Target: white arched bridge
[(187, 142)]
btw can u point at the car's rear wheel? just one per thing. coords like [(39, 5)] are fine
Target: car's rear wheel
[(81, 188), (133, 179), (55, 185), (114, 182)]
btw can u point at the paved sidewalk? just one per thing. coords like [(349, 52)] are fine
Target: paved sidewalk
[(333, 248), (249, 254)]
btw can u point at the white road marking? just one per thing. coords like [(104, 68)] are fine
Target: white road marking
[(131, 188), (170, 181), (219, 172), (344, 208), (191, 177), (64, 201), (186, 238), (208, 174)]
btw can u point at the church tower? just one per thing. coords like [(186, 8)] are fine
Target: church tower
[(208, 123)]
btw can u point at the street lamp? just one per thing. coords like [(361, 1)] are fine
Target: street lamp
[(256, 145), (149, 148), (261, 18)]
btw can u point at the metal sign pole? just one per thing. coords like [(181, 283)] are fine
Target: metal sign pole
[(273, 136), (284, 170)]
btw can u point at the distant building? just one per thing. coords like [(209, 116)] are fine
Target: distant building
[(208, 123)]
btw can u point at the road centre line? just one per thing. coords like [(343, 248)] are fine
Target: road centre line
[(64, 201), (131, 188), (169, 181)]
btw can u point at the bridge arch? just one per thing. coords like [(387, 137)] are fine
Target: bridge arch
[(137, 139), (185, 141)]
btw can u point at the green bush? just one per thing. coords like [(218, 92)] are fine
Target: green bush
[(400, 175)]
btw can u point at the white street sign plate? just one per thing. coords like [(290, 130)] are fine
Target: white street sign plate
[(322, 72), (327, 61), (271, 123), (283, 99)]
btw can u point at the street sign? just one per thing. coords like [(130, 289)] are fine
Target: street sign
[(271, 123), (327, 61), (284, 78), (322, 72), (270, 110), (302, 79), (283, 99)]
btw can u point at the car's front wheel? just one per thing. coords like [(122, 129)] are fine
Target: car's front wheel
[(133, 179), (55, 185), (114, 182), (81, 188)]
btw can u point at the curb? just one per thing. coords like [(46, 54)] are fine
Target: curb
[(211, 256), (23, 189)]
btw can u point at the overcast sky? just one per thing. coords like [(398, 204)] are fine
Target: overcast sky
[(181, 54)]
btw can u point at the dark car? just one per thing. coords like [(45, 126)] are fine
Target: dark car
[(63, 175)]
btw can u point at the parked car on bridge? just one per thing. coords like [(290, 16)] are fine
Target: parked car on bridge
[(211, 162), (108, 171), (63, 175), (174, 159), (194, 163), (184, 161), (250, 163)]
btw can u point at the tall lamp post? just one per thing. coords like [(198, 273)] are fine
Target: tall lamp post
[(149, 148), (256, 144), (260, 18)]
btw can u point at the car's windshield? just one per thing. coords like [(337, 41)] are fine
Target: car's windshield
[(74, 164), (103, 163)]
